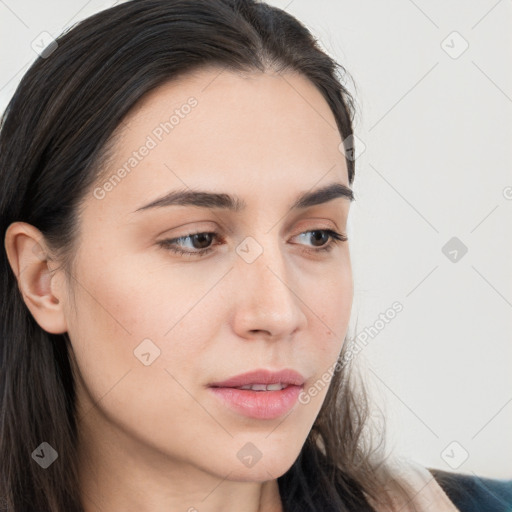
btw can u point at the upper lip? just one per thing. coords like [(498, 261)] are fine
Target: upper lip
[(262, 376)]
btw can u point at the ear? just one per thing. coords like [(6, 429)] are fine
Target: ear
[(42, 290)]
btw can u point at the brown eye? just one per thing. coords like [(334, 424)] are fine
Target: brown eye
[(319, 237), (201, 243), (201, 239)]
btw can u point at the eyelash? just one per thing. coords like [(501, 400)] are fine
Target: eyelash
[(170, 244)]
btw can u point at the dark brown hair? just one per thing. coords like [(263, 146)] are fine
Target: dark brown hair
[(54, 141)]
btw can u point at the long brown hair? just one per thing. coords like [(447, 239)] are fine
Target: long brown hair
[(54, 140)]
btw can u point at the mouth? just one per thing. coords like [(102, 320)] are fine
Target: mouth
[(263, 387), (262, 380), (260, 394)]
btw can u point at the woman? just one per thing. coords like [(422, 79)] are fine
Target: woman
[(176, 278)]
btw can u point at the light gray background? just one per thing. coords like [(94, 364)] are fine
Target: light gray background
[(436, 129)]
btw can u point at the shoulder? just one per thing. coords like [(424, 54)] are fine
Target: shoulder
[(472, 493)]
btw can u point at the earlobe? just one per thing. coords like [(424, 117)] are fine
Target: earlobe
[(42, 292)]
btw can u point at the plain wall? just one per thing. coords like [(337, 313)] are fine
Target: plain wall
[(435, 122)]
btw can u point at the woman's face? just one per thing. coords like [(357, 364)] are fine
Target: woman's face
[(151, 328)]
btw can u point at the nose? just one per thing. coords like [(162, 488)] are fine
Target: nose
[(266, 299)]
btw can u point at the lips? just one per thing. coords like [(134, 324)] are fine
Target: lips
[(258, 405), (286, 377)]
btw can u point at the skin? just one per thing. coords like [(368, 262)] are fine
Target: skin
[(155, 438)]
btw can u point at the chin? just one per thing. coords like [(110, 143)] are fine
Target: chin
[(267, 468), (260, 474)]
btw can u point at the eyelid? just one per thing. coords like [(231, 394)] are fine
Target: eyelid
[(319, 224), (171, 244)]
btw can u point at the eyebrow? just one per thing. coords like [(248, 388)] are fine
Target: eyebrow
[(203, 199)]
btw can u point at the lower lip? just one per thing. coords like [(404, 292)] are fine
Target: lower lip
[(261, 405)]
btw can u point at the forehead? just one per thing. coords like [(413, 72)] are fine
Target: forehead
[(225, 130)]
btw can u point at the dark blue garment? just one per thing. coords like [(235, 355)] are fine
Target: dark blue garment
[(472, 493)]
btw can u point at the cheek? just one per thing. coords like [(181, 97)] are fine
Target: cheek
[(133, 330), (330, 313), (330, 308), (120, 325)]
